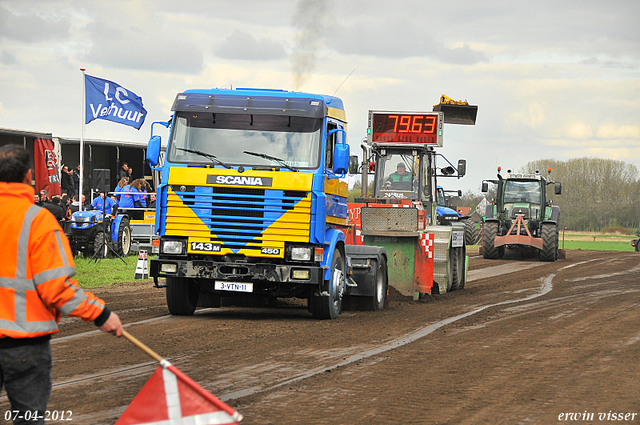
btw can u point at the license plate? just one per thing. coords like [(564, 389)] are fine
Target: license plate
[(234, 286)]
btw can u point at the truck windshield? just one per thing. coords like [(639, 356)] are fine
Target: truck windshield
[(295, 140)]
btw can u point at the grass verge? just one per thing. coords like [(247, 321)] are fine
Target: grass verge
[(105, 271), (598, 245)]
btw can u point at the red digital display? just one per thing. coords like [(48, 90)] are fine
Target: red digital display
[(394, 127)]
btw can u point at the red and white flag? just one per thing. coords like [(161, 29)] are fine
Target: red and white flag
[(46, 165), (172, 398)]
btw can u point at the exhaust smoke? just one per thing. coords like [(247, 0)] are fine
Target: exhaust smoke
[(310, 21)]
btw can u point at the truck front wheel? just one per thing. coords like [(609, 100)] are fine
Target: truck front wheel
[(182, 296), (328, 303)]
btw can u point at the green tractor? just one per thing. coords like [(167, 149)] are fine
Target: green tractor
[(521, 217)]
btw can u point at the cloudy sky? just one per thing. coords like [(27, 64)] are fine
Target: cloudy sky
[(552, 79)]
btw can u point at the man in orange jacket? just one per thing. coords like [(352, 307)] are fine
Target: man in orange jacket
[(35, 290)]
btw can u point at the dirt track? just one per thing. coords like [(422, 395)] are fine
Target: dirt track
[(513, 347)]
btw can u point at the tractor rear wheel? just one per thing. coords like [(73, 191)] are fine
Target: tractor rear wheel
[(182, 296), (489, 250), (549, 249), (471, 233), (124, 238)]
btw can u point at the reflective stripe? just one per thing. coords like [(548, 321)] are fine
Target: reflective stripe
[(21, 284), (23, 241), (21, 270), (9, 282), (30, 327), (94, 302), (172, 395), (74, 302), (48, 275), (69, 271), (77, 299), (64, 254)]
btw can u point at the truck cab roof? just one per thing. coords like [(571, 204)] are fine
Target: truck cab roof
[(260, 101)]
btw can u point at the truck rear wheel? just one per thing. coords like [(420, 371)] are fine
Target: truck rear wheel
[(182, 296), (329, 306), (549, 249), (488, 240), (380, 285)]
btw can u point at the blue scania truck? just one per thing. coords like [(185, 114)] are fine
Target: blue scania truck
[(251, 206)]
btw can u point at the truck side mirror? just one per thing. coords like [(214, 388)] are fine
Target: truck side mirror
[(354, 164), (459, 193), (485, 187), (558, 189), (341, 153), (153, 151), (462, 167)]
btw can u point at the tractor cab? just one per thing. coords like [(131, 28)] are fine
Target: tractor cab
[(397, 175), (523, 198)]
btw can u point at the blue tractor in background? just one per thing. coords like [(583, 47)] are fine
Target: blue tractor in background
[(445, 215), (93, 233)]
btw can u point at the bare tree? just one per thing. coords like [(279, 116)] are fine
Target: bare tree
[(596, 192)]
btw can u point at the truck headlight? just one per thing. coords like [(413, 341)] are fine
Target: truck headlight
[(301, 253), (172, 247)]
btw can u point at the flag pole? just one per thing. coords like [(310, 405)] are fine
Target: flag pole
[(84, 111), (141, 346)]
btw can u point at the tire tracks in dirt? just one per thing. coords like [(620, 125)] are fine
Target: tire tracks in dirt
[(249, 384)]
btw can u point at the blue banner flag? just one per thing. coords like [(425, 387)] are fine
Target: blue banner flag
[(107, 100)]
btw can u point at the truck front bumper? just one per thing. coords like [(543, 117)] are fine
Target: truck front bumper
[(233, 272)]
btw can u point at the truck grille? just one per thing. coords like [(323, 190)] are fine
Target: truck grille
[(239, 218)]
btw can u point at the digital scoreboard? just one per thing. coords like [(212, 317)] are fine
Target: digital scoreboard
[(420, 128)]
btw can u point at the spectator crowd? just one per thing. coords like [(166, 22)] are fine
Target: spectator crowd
[(127, 194)]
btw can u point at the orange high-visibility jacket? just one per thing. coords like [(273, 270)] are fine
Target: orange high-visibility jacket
[(35, 267)]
